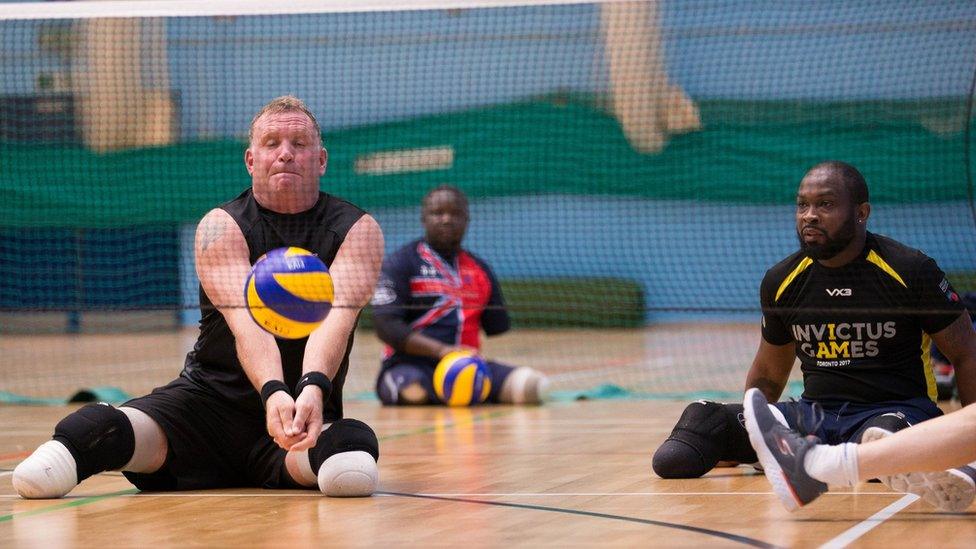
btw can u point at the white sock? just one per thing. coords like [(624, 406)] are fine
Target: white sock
[(836, 465)]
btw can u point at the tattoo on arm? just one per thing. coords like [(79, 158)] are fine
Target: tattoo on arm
[(210, 232)]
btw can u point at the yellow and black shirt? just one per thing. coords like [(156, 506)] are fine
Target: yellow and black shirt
[(861, 330)]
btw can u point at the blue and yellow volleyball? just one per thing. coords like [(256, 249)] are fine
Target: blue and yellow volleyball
[(289, 292), (462, 379)]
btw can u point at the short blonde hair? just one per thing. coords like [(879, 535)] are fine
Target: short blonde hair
[(285, 103)]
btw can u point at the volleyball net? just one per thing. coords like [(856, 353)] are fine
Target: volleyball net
[(631, 166)]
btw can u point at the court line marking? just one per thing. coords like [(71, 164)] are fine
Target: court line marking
[(849, 536), (271, 493), (708, 532), (14, 455), (66, 504), (133, 491)]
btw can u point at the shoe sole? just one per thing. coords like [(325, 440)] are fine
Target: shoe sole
[(774, 472), (948, 490)]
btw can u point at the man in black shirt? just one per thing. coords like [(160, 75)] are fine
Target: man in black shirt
[(247, 409), (857, 310)]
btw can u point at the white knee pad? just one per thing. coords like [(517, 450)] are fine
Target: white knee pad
[(50, 472), (348, 474)]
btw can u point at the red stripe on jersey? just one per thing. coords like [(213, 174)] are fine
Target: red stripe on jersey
[(463, 291), (475, 293)]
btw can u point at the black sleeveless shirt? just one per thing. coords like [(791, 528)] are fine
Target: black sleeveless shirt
[(213, 362)]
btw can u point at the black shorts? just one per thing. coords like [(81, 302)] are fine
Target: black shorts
[(398, 376), (213, 442)]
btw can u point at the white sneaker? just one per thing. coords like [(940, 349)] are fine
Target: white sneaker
[(949, 490)]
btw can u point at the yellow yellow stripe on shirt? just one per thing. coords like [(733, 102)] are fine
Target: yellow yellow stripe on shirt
[(930, 385), (789, 278), (876, 259)]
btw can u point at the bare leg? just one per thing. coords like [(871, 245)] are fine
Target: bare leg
[(300, 469), (151, 445), (933, 445), (92, 439)]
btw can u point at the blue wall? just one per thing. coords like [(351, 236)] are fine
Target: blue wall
[(821, 49), (358, 69)]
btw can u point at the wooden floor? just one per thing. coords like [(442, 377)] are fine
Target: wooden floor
[(570, 473), (670, 358), (565, 474)]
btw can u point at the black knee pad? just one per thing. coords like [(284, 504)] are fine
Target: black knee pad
[(345, 435), (737, 445), (99, 437), (891, 421), (706, 433)]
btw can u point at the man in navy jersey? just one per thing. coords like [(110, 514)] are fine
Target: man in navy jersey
[(857, 310), (247, 409), (433, 298)]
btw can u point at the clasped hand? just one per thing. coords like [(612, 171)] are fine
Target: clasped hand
[(295, 424)]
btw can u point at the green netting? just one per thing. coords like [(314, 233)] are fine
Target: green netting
[(549, 146), (567, 303)]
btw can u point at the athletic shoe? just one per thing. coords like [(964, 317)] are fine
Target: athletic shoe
[(781, 451), (949, 490)]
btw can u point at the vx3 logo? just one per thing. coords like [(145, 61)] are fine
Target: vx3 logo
[(842, 292)]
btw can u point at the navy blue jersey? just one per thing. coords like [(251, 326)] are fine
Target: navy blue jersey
[(447, 300), (860, 330)]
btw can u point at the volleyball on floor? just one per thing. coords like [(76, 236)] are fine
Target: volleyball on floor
[(289, 292), (462, 379)]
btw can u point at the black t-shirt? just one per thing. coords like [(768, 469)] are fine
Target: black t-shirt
[(213, 361), (861, 330)]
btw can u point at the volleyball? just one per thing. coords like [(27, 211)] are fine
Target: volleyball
[(462, 379), (289, 292)]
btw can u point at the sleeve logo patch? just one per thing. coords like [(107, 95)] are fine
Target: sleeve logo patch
[(384, 294), (946, 289)]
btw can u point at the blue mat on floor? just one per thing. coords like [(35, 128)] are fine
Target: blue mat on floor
[(112, 395)]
